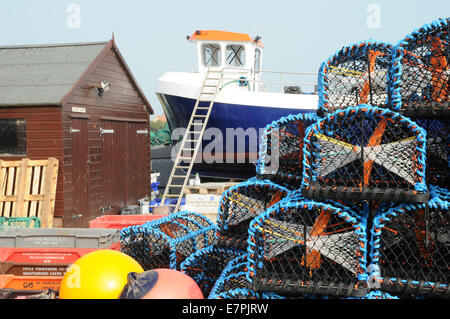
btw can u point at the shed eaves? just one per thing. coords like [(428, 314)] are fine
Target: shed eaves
[(43, 74)]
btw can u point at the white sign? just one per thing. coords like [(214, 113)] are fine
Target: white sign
[(76, 109)]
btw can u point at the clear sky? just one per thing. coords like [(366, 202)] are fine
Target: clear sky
[(297, 35)]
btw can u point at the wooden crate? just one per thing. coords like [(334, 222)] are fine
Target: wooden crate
[(28, 189), (209, 188)]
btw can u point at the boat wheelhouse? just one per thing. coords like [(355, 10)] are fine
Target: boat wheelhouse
[(247, 99)]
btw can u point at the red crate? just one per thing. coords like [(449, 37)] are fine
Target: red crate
[(30, 282), (122, 221), (46, 255)]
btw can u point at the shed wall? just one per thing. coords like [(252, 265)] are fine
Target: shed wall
[(118, 164), (44, 139)]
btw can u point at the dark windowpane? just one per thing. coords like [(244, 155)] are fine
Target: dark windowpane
[(12, 137)]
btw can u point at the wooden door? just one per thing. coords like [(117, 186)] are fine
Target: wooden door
[(126, 164), (138, 166), (114, 160), (80, 172)]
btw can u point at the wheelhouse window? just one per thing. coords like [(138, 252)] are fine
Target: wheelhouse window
[(235, 55), (211, 54), (12, 137)]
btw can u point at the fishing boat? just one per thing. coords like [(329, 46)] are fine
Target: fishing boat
[(247, 99)]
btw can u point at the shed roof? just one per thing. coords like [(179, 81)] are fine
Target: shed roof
[(33, 75)]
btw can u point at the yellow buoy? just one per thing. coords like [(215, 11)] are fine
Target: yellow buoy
[(101, 274)]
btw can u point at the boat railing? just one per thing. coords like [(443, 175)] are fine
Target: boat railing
[(281, 81)]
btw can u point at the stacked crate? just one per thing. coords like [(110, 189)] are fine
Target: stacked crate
[(33, 260)]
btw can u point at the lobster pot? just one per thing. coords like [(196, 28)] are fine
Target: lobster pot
[(232, 283), (419, 72), (239, 205), (365, 153), (206, 265), (356, 74), (280, 157), (167, 242), (307, 248), (411, 248)]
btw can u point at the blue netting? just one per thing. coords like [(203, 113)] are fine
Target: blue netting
[(168, 241)]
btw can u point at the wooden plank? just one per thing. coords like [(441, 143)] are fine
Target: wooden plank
[(35, 190), (8, 164), (39, 203), (20, 189), (9, 191), (8, 198), (30, 198), (2, 184), (48, 206)]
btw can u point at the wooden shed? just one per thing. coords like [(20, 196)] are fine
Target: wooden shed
[(80, 104)]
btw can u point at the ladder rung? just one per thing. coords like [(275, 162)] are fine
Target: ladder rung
[(177, 186), (179, 176), (202, 108), (200, 115), (182, 167), (172, 196)]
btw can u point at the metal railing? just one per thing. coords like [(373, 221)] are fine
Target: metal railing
[(257, 83)]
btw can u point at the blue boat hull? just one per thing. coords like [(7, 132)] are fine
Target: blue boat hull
[(178, 111)]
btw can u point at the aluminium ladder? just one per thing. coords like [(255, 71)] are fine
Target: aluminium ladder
[(192, 140)]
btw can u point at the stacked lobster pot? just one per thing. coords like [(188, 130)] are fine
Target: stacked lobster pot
[(411, 241), (348, 202), (239, 205), (368, 211)]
